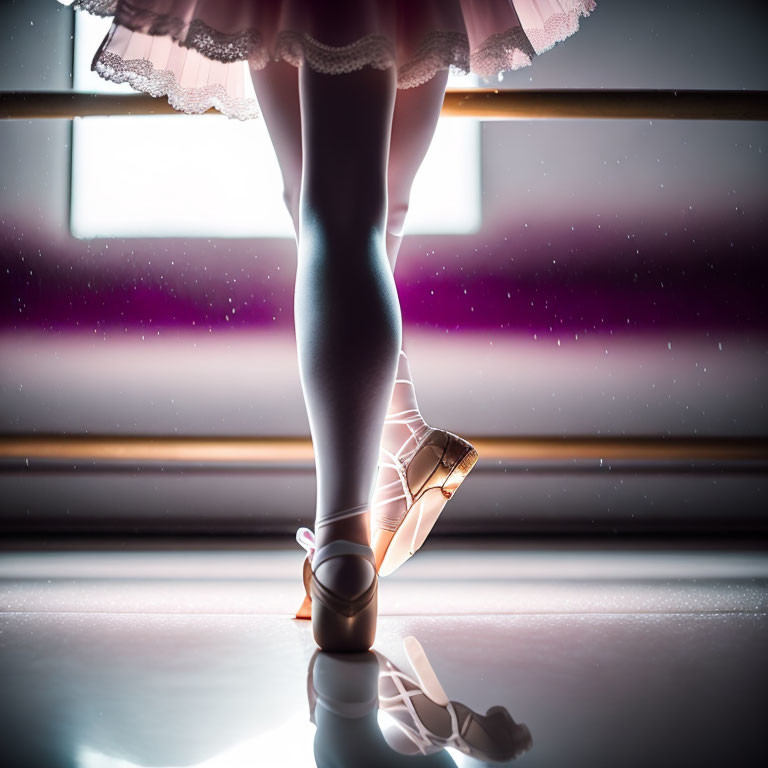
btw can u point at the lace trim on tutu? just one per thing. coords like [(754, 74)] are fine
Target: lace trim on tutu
[(297, 48), (142, 76), (96, 7), (509, 50), (243, 46), (439, 50), (559, 26), (515, 46)]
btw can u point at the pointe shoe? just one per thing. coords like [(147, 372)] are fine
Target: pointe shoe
[(429, 478), (341, 624), (424, 720), (306, 539)]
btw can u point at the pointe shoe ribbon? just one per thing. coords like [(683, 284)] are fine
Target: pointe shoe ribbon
[(425, 674), (306, 539)]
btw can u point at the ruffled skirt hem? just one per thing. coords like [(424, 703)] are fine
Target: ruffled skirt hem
[(198, 67)]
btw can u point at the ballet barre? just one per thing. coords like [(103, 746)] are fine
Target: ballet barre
[(476, 103), (292, 450)]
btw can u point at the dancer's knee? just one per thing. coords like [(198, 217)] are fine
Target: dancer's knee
[(291, 200), (396, 213), (344, 215)]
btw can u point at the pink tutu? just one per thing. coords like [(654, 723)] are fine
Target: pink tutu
[(197, 52)]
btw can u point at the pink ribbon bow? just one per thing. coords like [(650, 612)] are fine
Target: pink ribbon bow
[(306, 539)]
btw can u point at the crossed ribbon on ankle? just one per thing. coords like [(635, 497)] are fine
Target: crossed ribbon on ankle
[(306, 537)]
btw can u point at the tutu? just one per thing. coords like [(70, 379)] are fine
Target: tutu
[(198, 52)]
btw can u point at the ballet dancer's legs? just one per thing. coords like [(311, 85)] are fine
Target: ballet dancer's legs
[(414, 120), (413, 125)]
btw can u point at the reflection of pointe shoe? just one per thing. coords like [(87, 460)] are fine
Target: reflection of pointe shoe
[(423, 719), (343, 684), (342, 691), (428, 477)]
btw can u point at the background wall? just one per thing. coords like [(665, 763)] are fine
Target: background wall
[(616, 287)]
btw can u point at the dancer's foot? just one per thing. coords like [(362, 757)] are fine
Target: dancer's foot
[(412, 490), (340, 579), (404, 428), (420, 468)]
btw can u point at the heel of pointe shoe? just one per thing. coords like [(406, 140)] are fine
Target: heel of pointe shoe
[(339, 633), (341, 624)]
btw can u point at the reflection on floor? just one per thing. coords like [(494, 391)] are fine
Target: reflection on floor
[(573, 658)]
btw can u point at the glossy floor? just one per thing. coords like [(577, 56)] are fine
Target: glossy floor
[(572, 658)]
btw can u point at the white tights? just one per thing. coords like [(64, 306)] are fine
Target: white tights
[(347, 315)]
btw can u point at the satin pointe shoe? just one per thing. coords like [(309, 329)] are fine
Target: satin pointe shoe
[(306, 539), (428, 476), (339, 624), (423, 720)]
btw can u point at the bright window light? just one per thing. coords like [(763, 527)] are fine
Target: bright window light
[(290, 745), (185, 176)]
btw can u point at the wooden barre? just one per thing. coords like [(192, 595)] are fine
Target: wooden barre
[(476, 103), (277, 450)]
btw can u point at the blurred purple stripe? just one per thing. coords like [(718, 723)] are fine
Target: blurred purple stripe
[(560, 282)]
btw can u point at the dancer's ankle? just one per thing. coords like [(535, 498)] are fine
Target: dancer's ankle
[(404, 425), (348, 577), (356, 529), (400, 439)]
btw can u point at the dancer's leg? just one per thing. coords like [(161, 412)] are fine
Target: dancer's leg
[(277, 91), (347, 314), (413, 125)]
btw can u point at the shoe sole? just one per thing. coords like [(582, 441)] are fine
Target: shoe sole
[(392, 548)]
